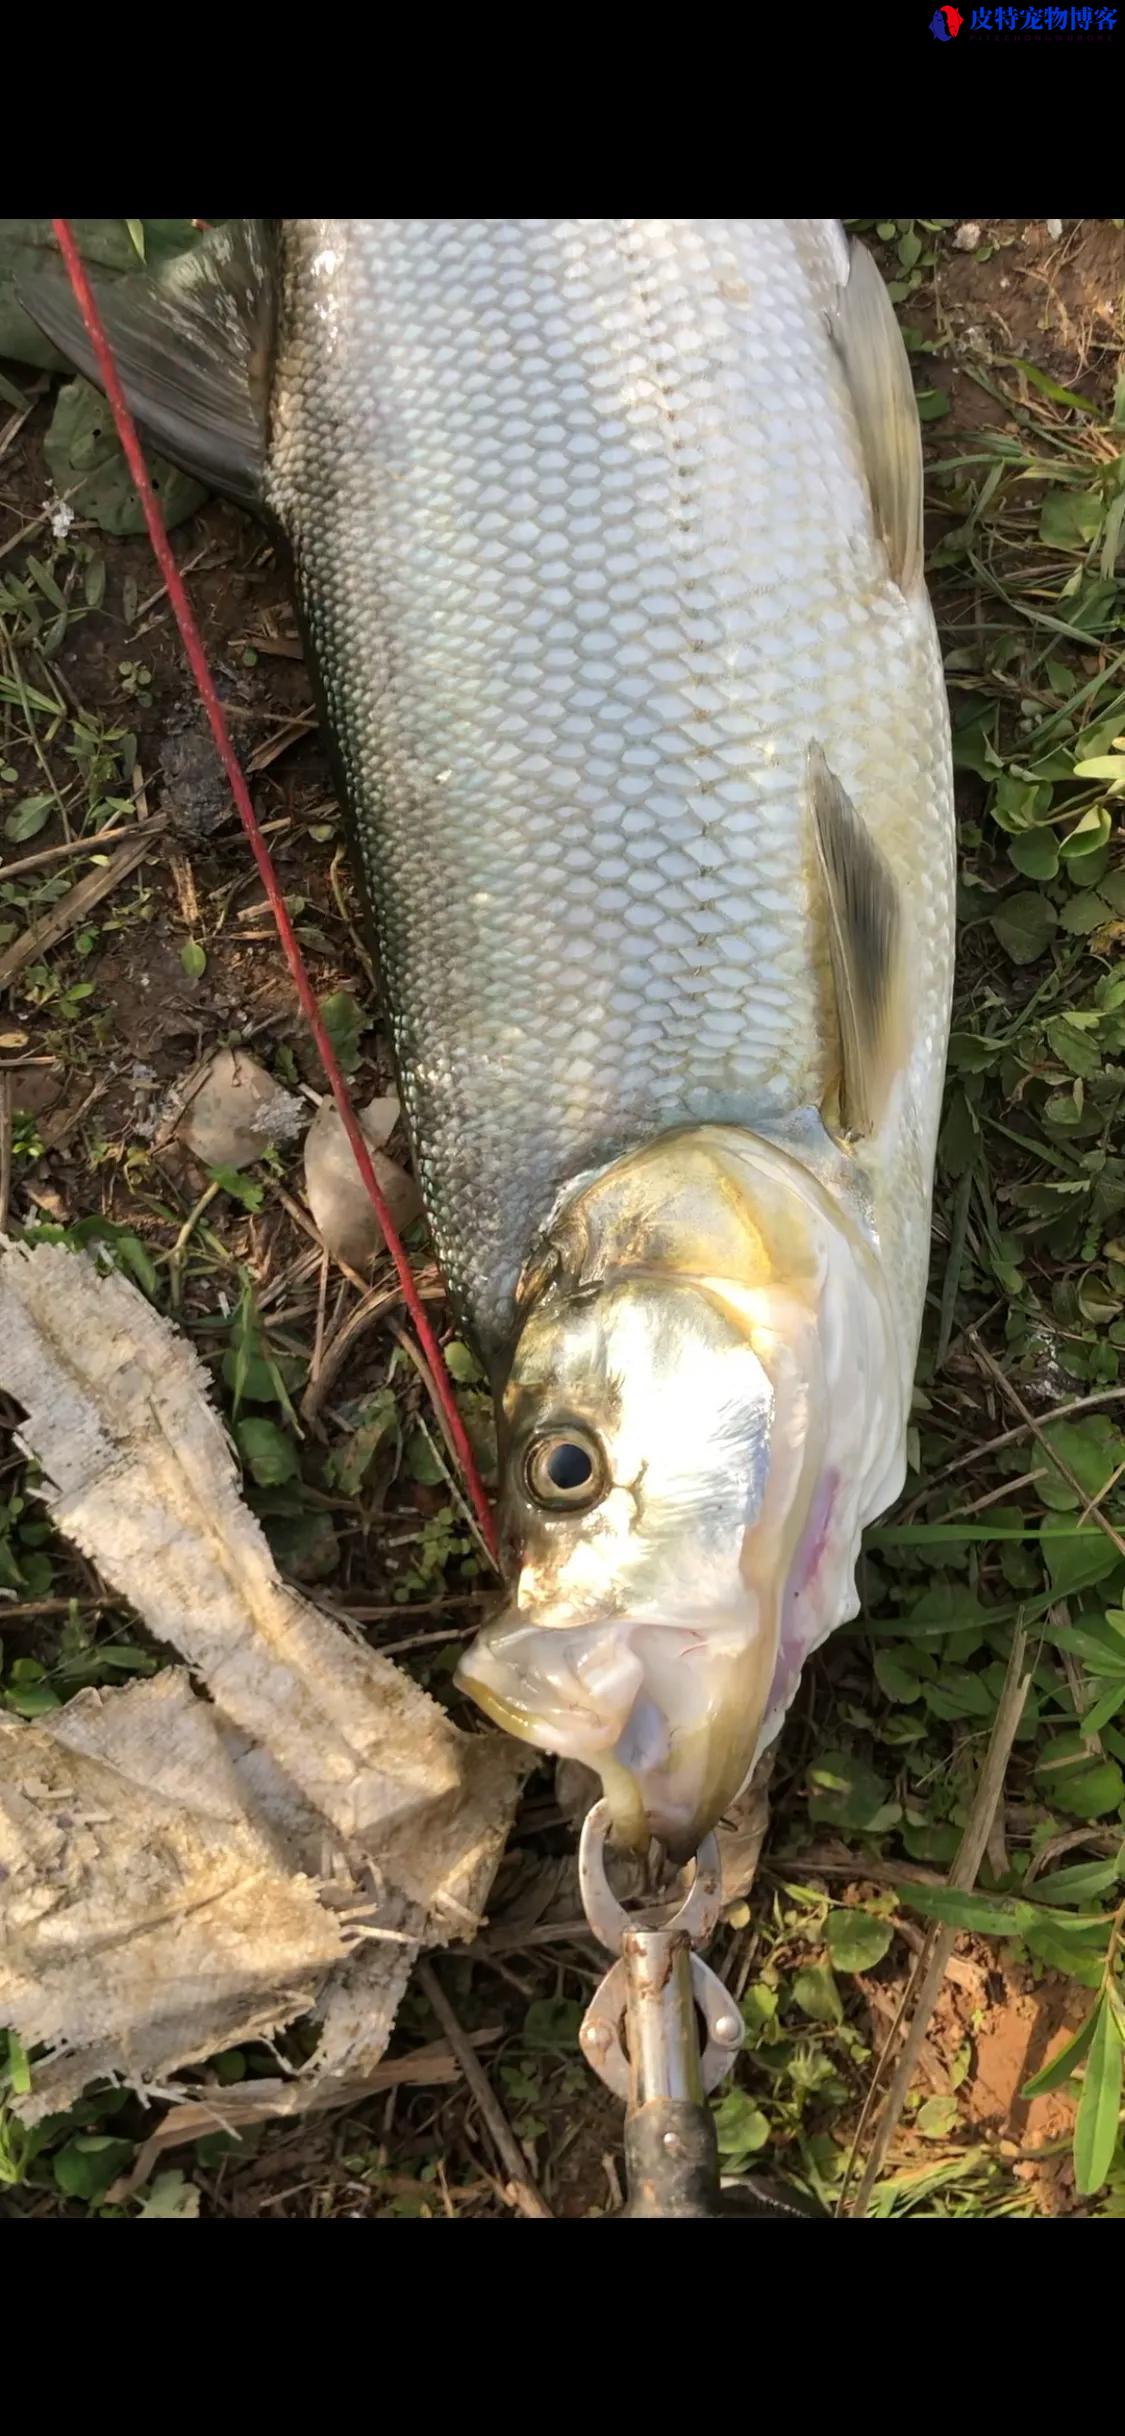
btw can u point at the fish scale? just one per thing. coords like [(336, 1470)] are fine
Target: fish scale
[(586, 549)]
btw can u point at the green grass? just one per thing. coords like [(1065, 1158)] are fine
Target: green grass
[(1026, 1316)]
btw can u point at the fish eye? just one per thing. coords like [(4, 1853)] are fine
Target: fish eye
[(564, 1471)]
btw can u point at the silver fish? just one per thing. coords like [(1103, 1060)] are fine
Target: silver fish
[(607, 539)]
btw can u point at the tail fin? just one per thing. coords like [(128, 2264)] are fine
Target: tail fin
[(192, 349)]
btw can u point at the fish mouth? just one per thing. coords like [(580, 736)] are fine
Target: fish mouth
[(666, 1713)]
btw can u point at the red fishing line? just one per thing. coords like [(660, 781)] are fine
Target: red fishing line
[(193, 646)]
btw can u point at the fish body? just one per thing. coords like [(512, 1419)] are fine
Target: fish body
[(583, 533), (607, 539)]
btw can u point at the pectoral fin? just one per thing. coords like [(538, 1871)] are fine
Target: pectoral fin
[(192, 350), (864, 920), (878, 370)]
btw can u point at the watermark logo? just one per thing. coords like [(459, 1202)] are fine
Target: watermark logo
[(1068, 22), (946, 24)]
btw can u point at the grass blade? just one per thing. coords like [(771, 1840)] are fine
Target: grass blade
[(1062, 2065), (1095, 2133)]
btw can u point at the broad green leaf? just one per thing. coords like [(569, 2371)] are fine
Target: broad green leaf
[(1070, 519), (1017, 803), (27, 818), (1082, 1884), (1073, 1779), (896, 1677), (960, 1138), (972, 1052), (193, 957), (36, 1701), (241, 1188), (1075, 1049), (741, 2129), (1099, 2111), (816, 1992), (266, 1451), (1093, 830), (421, 1461), (1078, 1561), (88, 2164), (1024, 926), (1105, 736), (87, 466), (843, 1790), (1091, 1449), (345, 1022), (1095, 1639), (1108, 766), (1080, 1956), (959, 1694), (1035, 853), (552, 2022), (973, 748), (934, 1842), (1097, 1301), (171, 2195), (461, 1364), (936, 2118), (759, 2006), (47, 583), (951, 1604), (856, 1940), (1085, 913)]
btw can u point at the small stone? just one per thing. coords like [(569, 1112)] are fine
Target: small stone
[(197, 797), (1054, 228), (338, 1196), (231, 1109), (967, 237)]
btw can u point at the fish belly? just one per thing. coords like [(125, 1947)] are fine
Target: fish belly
[(587, 560)]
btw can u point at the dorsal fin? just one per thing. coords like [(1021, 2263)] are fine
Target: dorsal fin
[(865, 941), (192, 349), (878, 370)]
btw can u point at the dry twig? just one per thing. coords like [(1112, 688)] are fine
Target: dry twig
[(521, 2190), (79, 901)]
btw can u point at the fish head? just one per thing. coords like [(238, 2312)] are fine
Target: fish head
[(663, 1446), (638, 1440)]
